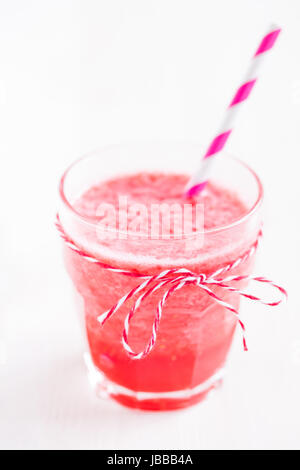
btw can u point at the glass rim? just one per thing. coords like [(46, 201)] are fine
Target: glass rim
[(93, 220)]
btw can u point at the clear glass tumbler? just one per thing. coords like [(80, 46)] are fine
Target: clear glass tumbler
[(195, 332)]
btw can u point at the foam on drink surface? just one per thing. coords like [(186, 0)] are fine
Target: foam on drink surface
[(221, 207)]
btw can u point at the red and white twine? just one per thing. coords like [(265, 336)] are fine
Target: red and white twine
[(174, 279)]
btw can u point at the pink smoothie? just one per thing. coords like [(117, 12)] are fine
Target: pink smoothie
[(195, 333)]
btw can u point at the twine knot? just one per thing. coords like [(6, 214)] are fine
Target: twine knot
[(172, 280)]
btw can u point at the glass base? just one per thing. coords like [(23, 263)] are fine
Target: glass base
[(151, 401)]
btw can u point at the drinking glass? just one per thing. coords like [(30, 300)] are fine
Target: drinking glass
[(195, 332)]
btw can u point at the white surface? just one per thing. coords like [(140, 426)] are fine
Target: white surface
[(75, 75)]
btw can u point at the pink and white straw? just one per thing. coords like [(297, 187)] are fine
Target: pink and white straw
[(200, 178)]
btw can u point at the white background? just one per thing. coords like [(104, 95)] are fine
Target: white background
[(75, 75)]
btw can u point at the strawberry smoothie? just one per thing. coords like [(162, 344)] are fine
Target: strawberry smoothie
[(195, 332)]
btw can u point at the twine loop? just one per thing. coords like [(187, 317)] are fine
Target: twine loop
[(173, 280)]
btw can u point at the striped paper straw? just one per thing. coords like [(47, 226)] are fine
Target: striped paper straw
[(200, 178)]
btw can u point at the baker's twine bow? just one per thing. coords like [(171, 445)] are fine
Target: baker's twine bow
[(175, 279)]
